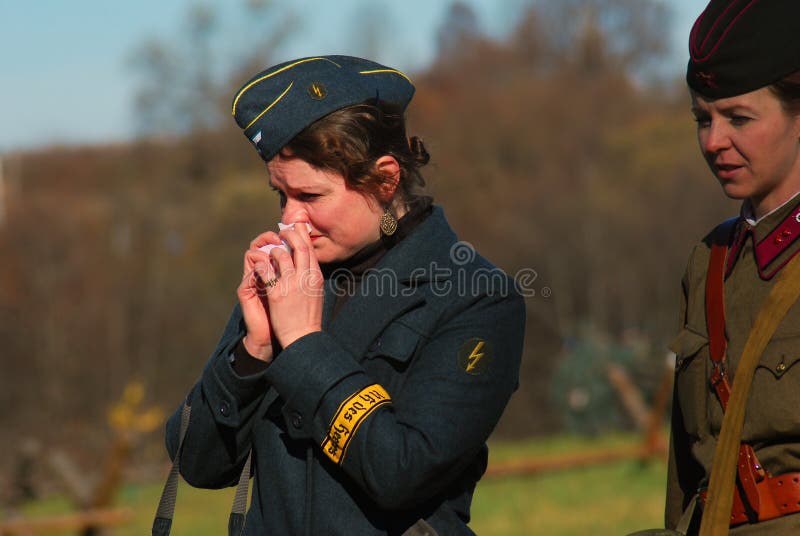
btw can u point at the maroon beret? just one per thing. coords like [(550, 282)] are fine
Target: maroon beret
[(737, 46)]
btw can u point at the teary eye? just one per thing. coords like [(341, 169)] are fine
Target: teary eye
[(702, 120), (281, 195), (739, 120)]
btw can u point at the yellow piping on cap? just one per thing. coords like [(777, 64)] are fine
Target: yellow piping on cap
[(284, 68), (285, 91), (395, 71)]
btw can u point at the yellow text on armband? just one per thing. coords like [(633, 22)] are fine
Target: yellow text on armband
[(348, 418)]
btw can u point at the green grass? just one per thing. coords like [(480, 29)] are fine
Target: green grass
[(611, 499)]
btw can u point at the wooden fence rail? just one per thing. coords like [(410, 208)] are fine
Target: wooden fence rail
[(78, 521)]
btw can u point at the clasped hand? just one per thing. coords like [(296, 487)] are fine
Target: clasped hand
[(280, 293)]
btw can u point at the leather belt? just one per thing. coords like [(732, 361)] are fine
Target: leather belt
[(778, 496)]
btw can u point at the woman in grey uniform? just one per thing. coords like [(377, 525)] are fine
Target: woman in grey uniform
[(371, 353)]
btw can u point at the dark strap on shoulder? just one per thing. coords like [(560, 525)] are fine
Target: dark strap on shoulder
[(162, 524), (237, 517)]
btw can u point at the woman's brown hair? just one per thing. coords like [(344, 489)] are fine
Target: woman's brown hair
[(350, 140), (788, 91)]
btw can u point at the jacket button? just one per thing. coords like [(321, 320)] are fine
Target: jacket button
[(297, 420), (224, 409), (781, 368)]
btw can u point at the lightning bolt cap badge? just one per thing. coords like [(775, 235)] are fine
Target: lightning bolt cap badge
[(284, 99), (474, 356), (317, 91)]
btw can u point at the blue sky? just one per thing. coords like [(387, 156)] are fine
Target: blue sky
[(65, 73)]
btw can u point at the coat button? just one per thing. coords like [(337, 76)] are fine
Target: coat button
[(375, 346), (224, 409), (781, 368), (297, 420)]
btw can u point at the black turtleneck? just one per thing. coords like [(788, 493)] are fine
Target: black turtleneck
[(348, 273)]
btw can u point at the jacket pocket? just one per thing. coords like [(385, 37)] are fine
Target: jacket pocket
[(775, 391), (780, 356), (686, 345), (390, 355), (396, 343), (691, 384)]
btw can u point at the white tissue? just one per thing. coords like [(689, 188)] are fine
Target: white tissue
[(283, 245)]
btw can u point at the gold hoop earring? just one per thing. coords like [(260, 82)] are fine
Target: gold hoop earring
[(388, 223)]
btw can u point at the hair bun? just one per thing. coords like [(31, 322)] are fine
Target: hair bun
[(418, 150)]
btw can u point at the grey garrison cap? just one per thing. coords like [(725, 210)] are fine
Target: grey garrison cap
[(278, 103)]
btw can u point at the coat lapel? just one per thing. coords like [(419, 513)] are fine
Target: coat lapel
[(411, 263)]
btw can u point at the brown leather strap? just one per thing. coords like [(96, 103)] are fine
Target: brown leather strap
[(715, 313), (780, 496), (750, 473), (722, 483), (749, 470), (715, 304)]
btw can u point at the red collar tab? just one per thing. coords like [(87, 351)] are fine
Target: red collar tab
[(776, 242)]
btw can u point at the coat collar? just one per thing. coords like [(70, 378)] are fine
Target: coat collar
[(428, 247), (422, 257), (774, 238)]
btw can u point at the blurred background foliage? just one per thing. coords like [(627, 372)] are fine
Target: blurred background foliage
[(562, 149)]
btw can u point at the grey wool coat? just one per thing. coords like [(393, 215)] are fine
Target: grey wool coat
[(378, 421)]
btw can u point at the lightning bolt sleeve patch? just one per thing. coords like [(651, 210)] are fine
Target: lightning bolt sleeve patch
[(474, 356)]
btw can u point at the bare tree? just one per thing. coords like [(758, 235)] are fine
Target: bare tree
[(458, 32), (184, 86)]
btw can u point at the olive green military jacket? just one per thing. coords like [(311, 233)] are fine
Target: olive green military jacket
[(772, 421)]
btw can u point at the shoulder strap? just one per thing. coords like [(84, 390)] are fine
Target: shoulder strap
[(715, 320), (719, 502), (748, 469), (715, 278), (715, 308), (162, 524), (239, 508)]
